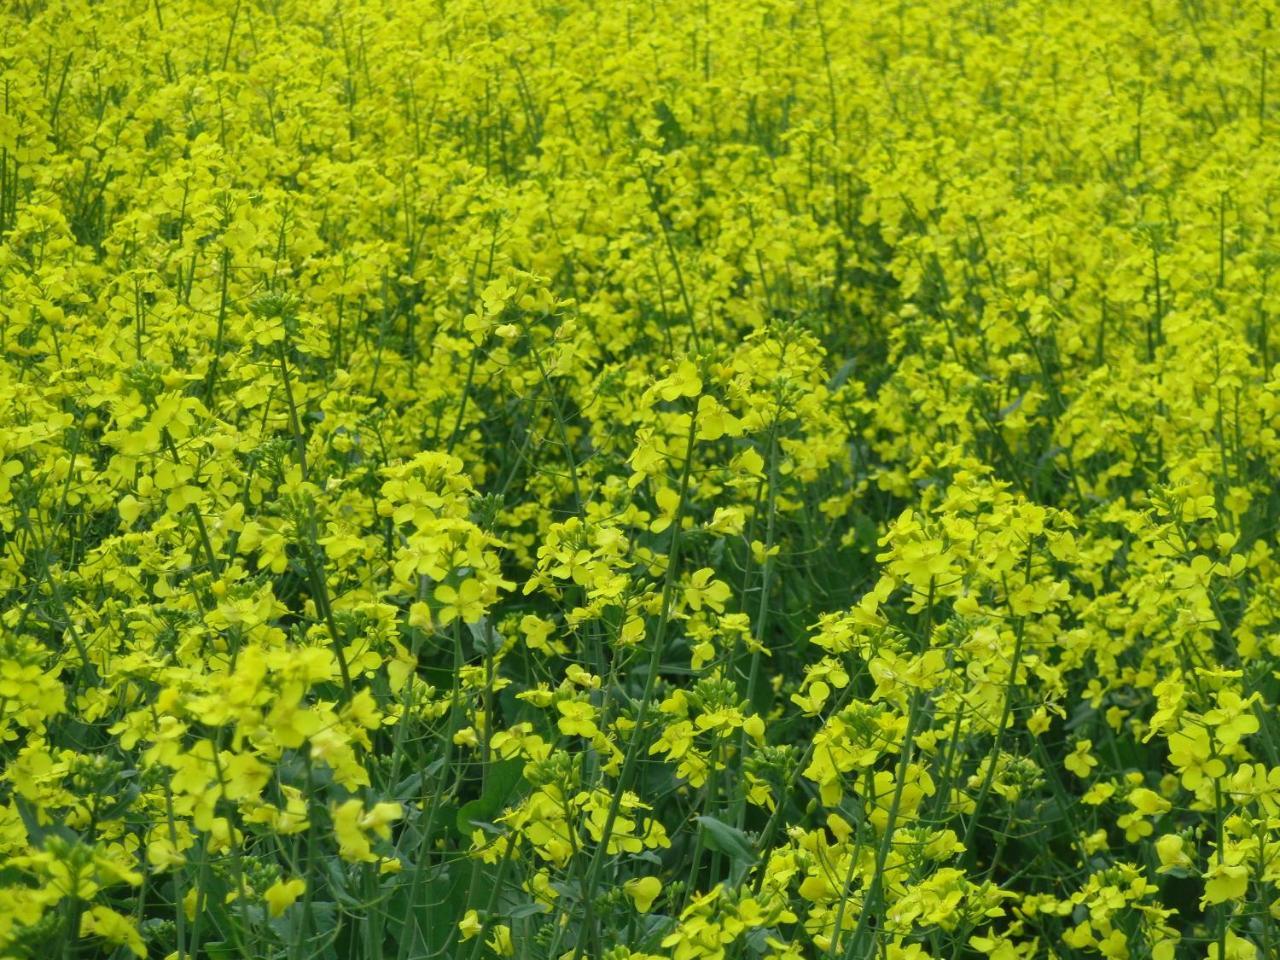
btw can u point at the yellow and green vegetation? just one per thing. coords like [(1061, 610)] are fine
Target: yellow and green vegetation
[(639, 480)]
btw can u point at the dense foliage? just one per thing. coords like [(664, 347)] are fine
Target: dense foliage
[(638, 479)]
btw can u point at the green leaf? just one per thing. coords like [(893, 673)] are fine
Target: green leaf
[(504, 776), (37, 833), (423, 911), (730, 841), (524, 910), (486, 639)]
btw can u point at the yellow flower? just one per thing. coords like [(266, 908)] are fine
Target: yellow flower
[(714, 421), (1080, 761), (351, 822), (282, 894), (643, 891), (1237, 948), (577, 718), (500, 943), (1171, 849), (1233, 718), (470, 926), (1225, 881), (682, 382), (115, 928), (1148, 802), (465, 603), (1191, 751)]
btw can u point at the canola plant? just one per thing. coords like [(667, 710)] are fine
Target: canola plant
[(639, 480)]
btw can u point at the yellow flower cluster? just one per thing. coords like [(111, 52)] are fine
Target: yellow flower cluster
[(746, 480)]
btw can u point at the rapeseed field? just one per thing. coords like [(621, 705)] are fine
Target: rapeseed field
[(639, 480)]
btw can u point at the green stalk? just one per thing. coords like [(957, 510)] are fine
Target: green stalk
[(646, 700)]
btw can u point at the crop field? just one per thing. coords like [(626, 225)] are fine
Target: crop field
[(639, 479)]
